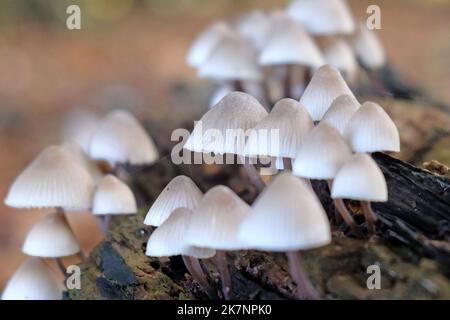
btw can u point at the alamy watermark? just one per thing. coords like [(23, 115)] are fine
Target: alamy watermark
[(373, 22), (73, 21)]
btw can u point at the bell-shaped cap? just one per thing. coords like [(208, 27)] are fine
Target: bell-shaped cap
[(372, 130), (216, 220), (340, 112), (360, 179), (53, 179), (223, 128), (205, 42), (254, 26), (112, 197), (234, 58), (322, 154), (51, 237), (326, 85), (286, 216), (340, 55), (368, 48), (289, 43), (82, 157), (323, 17), (33, 280), (181, 192), (120, 138), (170, 238), (282, 132), (218, 94)]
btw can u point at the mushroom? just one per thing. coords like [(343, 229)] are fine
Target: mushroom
[(120, 139), (323, 17), (215, 225), (254, 26), (289, 45), (287, 217), (51, 238), (326, 85), (170, 240), (82, 157), (372, 130), (181, 192), (291, 122), (339, 54), (205, 43), (33, 280), (112, 197), (340, 112), (223, 130), (78, 125), (320, 157), (361, 179), (233, 60), (368, 48)]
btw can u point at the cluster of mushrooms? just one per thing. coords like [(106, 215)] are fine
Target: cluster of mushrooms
[(74, 177), (310, 52)]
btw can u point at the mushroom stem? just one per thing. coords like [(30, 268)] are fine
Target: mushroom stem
[(340, 206), (61, 211), (370, 216), (253, 174), (237, 85), (195, 269), (61, 265), (287, 82), (222, 266), (267, 97), (305, 288), (287, 164), (337, 216)]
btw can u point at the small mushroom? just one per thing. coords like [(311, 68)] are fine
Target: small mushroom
[(215, 225), (339, 54), (340, 112), (361, 179), (320, 157), (112, 197), (180, 192), (326, 85), (170, 240), (287, 217), (33, 280)]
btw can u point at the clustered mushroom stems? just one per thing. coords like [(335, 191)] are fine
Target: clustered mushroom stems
[(252, 174), (225, 277), (305, 288), (195, 269), (61, 211)]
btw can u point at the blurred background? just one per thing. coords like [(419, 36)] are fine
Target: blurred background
[(131, 54)]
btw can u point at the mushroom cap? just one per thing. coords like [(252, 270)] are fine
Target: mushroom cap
[(112, 197), (223, 128), (53, 179), (291, 123), (323, 17), (255, 27), (216, 220), (368, 48), (120, 138), (51, 238), (286, 216), (340, 112), (289, 43), (218, 94), (205, 42), (360, 179), (233, 58), (180, 192), (322, 154), (326, 85), (340, 55), (78, 126), (372, 130), (170, 238), (82, 157), (33, 280)]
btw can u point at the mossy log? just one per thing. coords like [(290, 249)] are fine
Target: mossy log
[(411, 246)]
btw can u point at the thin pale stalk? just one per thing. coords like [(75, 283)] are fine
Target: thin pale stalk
[(370, 216), (345, 214), (222, 266), (306, 290), (195, 269)]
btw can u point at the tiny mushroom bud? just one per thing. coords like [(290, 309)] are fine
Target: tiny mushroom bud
[(170, 240), (181, 192), (286, 217), (361, 179), (121, 139), (341, 111), (323, 17), (215, 224), (372, 130), (33, 280), (326, 85)]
